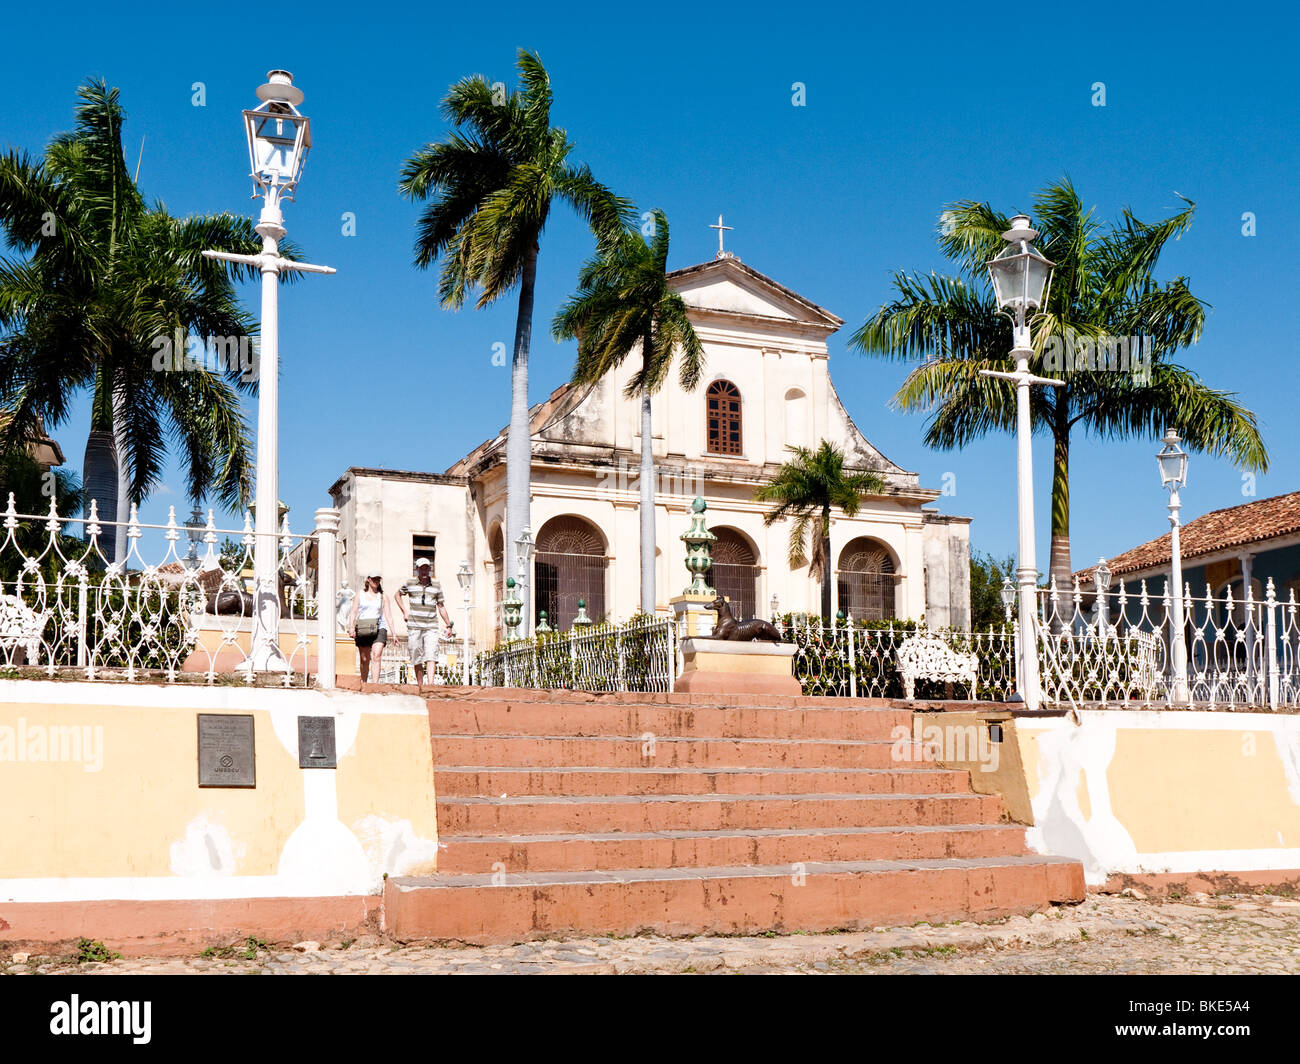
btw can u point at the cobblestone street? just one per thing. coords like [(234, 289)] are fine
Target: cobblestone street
[(1115, 934)]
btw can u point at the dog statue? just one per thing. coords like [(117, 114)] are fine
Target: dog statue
[(745, 632)]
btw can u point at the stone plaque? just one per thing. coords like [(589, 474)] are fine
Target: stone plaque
[(316, 743), (226, 757)]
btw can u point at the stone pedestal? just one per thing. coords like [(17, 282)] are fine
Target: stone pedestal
[(693, 615), (723, 666)]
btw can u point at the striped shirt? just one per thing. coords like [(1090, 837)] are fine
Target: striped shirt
[(422, 602)]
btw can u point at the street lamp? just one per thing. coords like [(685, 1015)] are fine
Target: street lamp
[(1172, 460), (523, 553), (194, 530), (1021, 276), (776, 607), (1008, 596), (465, 577), (1101, 580), (279, 136)]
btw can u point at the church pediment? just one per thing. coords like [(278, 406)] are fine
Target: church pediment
[(728, 286)]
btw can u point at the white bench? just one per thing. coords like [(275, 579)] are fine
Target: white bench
[(926, 657), (20, 629)]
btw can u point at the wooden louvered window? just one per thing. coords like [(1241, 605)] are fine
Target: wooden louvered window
[(723, 406)]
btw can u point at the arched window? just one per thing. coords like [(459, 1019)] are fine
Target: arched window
[(866, 580), (722, 402), (569, 565), (735, 572)]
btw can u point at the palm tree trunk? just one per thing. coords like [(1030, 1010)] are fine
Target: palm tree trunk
[(121, 450), (519, 451), (647, 496), (99, 479), (827, 615), (1059, 557)]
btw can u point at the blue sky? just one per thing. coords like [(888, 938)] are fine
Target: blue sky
[(906, 110)]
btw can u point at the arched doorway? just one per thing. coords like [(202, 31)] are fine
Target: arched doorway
[(865, 580), (569, 565), (497, 552), (735, 572)]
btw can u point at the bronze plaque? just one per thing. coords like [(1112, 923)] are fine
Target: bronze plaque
[(226, 756), (316, 743)]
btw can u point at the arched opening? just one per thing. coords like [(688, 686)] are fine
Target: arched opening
[(722, 406), (735, 572), (497, 552), (865, 580), (569, 565)]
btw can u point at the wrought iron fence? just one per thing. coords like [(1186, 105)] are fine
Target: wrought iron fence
[(1117, 648), (638, 655), (66, 609), (860, 659)]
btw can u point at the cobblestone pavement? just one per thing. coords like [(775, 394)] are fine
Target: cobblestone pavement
[(1221, 934)]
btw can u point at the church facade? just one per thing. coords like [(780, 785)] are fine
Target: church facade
[(766, 386)]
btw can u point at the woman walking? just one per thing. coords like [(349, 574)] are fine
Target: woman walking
[(369, 627)]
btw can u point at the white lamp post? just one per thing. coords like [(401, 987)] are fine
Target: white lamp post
[(465, 577), (279, 137), (1172, 460), (1020, 276), (1101, 579), (523, 554)]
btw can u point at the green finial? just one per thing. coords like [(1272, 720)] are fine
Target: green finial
[(699, 550)]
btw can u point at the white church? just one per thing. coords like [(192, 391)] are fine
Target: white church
[(766, 385)]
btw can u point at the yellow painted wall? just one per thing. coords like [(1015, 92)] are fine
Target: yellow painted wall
[(119, 810), (1134, 791)]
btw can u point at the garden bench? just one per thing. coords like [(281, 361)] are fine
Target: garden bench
[(926, 657)]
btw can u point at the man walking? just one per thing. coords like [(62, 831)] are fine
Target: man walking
[(423, 595)]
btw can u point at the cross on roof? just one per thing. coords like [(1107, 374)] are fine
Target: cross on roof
[(722, 254)]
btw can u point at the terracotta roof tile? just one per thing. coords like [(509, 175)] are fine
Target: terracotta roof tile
[(1219, 530)]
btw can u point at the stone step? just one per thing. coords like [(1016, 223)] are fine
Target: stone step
[(723, 900), (462, 781), (709, 812), (515, 717), (633, 751), (693, 849)]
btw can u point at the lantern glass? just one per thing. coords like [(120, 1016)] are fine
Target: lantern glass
[(1008, 592), (278, 141), (1172, 460), (464, 576), (1020, 278), (1102, 575), (524, 546)]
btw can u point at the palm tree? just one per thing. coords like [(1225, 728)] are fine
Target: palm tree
[(492, 181), (1102, 290), (624, 302), (108, 283), (806, 488)]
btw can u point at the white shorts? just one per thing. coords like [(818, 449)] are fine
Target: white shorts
[(422, 645)]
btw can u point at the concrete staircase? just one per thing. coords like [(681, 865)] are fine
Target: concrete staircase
[(562, 813)]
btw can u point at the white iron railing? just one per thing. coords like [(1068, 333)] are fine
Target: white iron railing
[(638, 655), (66, 610), (1117, 648), (860, 659)]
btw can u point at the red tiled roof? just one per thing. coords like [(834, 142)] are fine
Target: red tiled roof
[(1219, 530)]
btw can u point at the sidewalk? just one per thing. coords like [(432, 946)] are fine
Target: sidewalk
[(1107, 934)]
